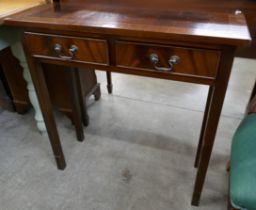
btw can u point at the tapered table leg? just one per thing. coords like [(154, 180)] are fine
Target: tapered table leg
[(37, 74), (109, 82), (218, 94)]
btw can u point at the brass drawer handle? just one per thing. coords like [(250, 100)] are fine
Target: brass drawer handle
[(72, 51), (172, 61)]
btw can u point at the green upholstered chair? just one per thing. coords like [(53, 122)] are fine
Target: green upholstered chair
[(243, 163)]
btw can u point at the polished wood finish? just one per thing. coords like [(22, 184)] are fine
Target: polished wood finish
[(88, 50), (139, 19), (158, 25), (217, 99), (193, 62), (13, 82), (47, 111), (247, 7)]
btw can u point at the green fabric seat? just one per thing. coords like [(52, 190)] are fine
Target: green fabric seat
[(243, 165)]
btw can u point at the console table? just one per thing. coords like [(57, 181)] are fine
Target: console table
[(158, 38)]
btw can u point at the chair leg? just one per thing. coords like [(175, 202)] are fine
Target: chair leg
[(109, 82), (230, 207), (71, 76)]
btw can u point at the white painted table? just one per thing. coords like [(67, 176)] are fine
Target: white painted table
[(11, 37)]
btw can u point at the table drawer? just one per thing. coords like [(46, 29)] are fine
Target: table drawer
[(167, 59), (84, 50)]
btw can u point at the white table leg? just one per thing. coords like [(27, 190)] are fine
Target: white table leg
[(10, 37), (19, 54)]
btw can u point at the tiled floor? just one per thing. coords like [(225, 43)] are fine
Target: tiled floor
[(138, 153)]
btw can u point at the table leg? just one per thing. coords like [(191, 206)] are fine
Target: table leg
[(206, 114), (218, 94), (71, 77), (19, 54), (11, 37), (109, 82), (47, 111)]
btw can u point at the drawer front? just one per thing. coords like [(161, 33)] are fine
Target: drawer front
[(84, 49), (192, 62)]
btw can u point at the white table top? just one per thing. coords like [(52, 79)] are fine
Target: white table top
[(9, 7)]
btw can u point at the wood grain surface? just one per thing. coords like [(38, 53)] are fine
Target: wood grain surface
[(192, 61), (166, 19)]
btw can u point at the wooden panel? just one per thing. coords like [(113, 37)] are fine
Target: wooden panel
[(248, 7), (198, 62), (58, 87), (157, 19), (12, 73), (89, 50)]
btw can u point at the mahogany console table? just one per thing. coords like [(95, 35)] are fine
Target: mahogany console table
[(157, 38)]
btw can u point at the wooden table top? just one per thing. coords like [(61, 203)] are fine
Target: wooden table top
[(8, 7), (164, 19)]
